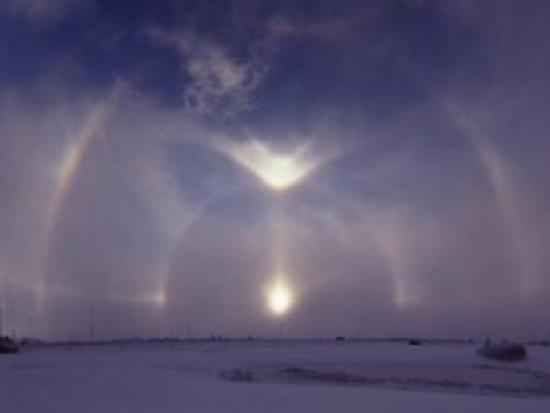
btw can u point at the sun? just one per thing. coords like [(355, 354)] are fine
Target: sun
[(279, 299)]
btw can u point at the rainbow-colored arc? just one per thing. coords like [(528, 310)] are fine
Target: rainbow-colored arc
[(500, 180), (66, 176)]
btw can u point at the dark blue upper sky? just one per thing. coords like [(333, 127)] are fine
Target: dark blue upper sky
[(366, 58)]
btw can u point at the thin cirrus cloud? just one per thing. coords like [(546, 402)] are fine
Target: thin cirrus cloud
[(218, 83)]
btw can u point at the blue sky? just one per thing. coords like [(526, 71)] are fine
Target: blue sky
[(138, 140)]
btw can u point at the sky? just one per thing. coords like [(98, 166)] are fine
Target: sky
[(274, 168)]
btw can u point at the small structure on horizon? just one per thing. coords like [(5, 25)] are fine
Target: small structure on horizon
[(504, 351), (8, 345)]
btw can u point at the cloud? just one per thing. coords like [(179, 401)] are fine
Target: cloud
[(217, 82), (220, 80), (329, 29)]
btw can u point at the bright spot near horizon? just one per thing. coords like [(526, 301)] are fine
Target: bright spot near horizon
[(158, 299), (279, 299), (277, 171)]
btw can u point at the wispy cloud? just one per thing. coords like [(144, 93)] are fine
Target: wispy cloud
[(328, 29), (217, 81)]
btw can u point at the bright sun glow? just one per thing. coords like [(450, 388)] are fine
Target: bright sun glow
[(279, 172), (279, 299)]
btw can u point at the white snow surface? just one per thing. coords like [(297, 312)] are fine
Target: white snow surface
[(252, 376)]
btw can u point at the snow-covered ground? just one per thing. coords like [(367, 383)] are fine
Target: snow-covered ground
[(263, 376)]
